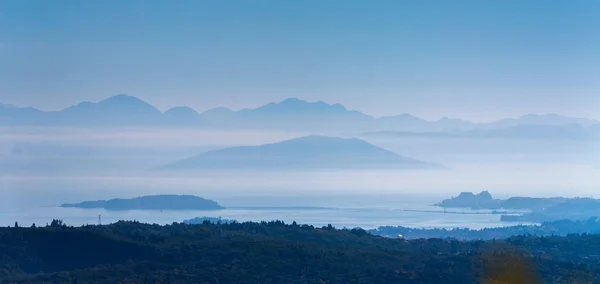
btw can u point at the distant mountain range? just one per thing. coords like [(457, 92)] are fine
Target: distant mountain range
[(310, 152), (525, 131), (289, 114)]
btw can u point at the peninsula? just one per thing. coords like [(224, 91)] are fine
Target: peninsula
[(484, 200), (538, 209)]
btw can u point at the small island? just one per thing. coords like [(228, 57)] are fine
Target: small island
[(150, 202)]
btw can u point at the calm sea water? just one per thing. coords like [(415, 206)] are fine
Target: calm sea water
[(37, 200), (364, 217)]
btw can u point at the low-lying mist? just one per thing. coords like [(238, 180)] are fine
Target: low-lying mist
[(50, 166)]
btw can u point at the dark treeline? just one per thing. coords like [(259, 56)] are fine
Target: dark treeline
[(273, 252), (214, 220), (554, 228)]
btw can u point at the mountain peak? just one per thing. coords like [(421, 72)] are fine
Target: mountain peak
[(128, 103), (122, 98), (115, 110), (292, 101), (216, 113), (181, 111), (291, 105), (485, 195)]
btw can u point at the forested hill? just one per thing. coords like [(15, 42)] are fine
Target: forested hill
[(274, 252), (554, 228)]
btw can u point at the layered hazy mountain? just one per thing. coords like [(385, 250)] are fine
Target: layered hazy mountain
[(309, 152), (526, 131), (289, 114), (301, 115), (11, 115), (181, 115), (7, 106), (114, 110), (119, 110), (547, 119)]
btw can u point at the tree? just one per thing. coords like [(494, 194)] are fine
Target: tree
[(56, 223), (16, 224)]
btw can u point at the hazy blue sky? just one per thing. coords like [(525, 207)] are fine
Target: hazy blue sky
[(470, 59)]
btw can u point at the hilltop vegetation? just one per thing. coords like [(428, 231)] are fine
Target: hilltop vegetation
[(554, 228), (274, 252), (214, 220)]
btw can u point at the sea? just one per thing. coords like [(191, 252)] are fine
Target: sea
[(341, 211)]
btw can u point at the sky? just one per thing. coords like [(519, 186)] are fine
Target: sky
[(478, 60)]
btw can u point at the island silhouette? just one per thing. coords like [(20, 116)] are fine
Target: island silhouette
[(150, 202)]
